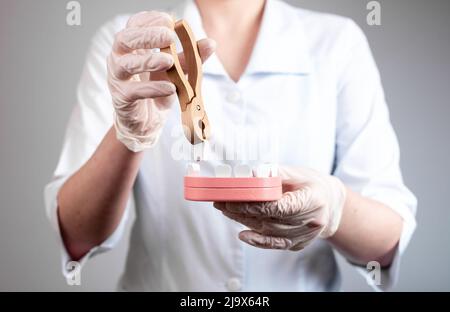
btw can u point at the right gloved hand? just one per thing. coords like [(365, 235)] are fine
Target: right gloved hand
[(140, 90), (311, 207)]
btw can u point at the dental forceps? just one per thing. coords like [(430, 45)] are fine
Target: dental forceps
[(193, 116)]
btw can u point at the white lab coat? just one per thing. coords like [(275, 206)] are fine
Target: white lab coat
[(313, 85)]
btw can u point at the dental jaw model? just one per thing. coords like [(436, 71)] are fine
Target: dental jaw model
[(241, 183)]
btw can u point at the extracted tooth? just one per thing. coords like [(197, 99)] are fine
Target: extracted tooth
[(223, 171), (198, 151), (242, 171), (274, 170), (193, 170), (262, 171)]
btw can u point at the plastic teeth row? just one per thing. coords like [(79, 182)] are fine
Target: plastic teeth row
[(239, 171)]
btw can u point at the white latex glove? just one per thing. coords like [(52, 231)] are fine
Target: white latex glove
[(141, 93), (311, 207)]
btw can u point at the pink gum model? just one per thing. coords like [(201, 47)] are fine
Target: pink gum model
[(232, 189)]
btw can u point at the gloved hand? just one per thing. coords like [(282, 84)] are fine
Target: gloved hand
[(140, 90), (311, 207)]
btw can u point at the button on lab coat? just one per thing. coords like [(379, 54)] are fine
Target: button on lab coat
[(313, 86)]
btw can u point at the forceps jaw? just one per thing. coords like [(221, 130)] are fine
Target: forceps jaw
[(195, 122)]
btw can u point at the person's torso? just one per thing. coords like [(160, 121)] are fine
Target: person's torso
[(286, 117)]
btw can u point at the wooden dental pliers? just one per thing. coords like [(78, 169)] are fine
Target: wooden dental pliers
[(193, 116)]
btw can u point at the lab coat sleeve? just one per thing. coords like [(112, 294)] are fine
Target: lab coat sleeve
[(89, 122), (367, 151)]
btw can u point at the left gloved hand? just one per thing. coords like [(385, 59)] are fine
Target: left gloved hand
[(311, 207)]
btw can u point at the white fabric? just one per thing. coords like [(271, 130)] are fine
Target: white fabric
[(324, 104)]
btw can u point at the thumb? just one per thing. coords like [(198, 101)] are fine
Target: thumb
[(294, 173), (206, 47), (294, 178)]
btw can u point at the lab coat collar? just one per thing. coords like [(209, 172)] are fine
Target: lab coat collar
[(281, 45)]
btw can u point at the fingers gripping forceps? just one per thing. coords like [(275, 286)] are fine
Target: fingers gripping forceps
[(193, 116)]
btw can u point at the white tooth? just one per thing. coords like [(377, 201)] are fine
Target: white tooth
[(242, 171), (198, 151), (262, 171), (274, 170), (193, 170), (223, 171)]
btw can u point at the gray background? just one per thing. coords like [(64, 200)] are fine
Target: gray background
[(41, 60)]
